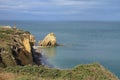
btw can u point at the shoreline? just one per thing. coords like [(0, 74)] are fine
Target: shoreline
[(18, 55), (39, 58)]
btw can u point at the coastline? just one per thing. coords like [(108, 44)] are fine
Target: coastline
[(39, 57), (22, 54)]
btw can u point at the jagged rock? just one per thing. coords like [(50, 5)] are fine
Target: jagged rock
[(15, 47), (49, 40)]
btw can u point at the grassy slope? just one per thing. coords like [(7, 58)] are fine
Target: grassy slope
[(82, 72), (7, 36)]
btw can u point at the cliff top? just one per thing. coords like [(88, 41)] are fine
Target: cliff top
[(82, 72), (7, 34), (15, 47)]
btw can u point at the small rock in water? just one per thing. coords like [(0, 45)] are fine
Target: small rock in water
[(48, 41)]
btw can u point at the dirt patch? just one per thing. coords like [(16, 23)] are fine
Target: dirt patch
[(7, 76)]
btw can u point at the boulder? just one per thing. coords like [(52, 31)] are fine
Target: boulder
[(48, 41)]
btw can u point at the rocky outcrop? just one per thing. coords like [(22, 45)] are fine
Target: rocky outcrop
[(15, 47), (48, 41)]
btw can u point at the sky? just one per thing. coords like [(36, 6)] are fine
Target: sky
[(58, 10)]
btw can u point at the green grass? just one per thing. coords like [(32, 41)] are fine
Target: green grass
[(83, 72), (7, 35)]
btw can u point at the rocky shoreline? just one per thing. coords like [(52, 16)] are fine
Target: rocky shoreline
[(21, 47), (18, 52), (16, 48)]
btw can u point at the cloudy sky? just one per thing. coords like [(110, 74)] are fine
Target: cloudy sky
[(103, 10)]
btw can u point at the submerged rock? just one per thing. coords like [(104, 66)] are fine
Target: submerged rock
[(48, 41)]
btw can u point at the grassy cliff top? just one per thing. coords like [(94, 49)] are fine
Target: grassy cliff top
[(8, 34), (13, 49), (82, 72)]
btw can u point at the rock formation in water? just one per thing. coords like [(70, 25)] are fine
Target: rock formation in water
[(15, 47), (48, 41)]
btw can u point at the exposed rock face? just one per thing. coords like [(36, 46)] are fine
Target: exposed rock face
[(6, 59), (49, 40), (26, 44), (15, 47), (32, 40)]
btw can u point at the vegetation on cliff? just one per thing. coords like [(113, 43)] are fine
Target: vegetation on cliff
[(16, 50), (82, 72), (13, 49)]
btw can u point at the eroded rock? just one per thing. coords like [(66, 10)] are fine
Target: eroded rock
[(15, 47), (26, 44), (48, 41)]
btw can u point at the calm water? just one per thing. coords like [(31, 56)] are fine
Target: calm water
[(85, 42)]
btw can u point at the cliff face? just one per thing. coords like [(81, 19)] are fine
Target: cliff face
[(15, 47), (26, 44)]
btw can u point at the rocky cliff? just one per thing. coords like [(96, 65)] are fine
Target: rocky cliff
[(15, 47)]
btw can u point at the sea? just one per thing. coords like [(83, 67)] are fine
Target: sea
[(84, 42)]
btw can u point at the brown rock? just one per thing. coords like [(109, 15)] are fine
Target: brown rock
[(48, 41), (32, 40), (26, 44)]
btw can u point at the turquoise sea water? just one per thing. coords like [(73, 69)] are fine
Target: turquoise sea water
[(85, 42)]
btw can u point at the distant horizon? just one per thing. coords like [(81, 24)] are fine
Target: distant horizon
[(67, 20)]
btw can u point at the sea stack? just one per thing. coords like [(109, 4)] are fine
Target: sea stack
[(48, 41)]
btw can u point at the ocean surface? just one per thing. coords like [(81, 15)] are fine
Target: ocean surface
[(84, 42)]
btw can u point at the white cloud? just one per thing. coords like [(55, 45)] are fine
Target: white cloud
[(73, 2), (51, 7), (52, 12), (21, 4)]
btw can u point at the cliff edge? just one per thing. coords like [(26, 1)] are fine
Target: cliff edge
[(15, 47)]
